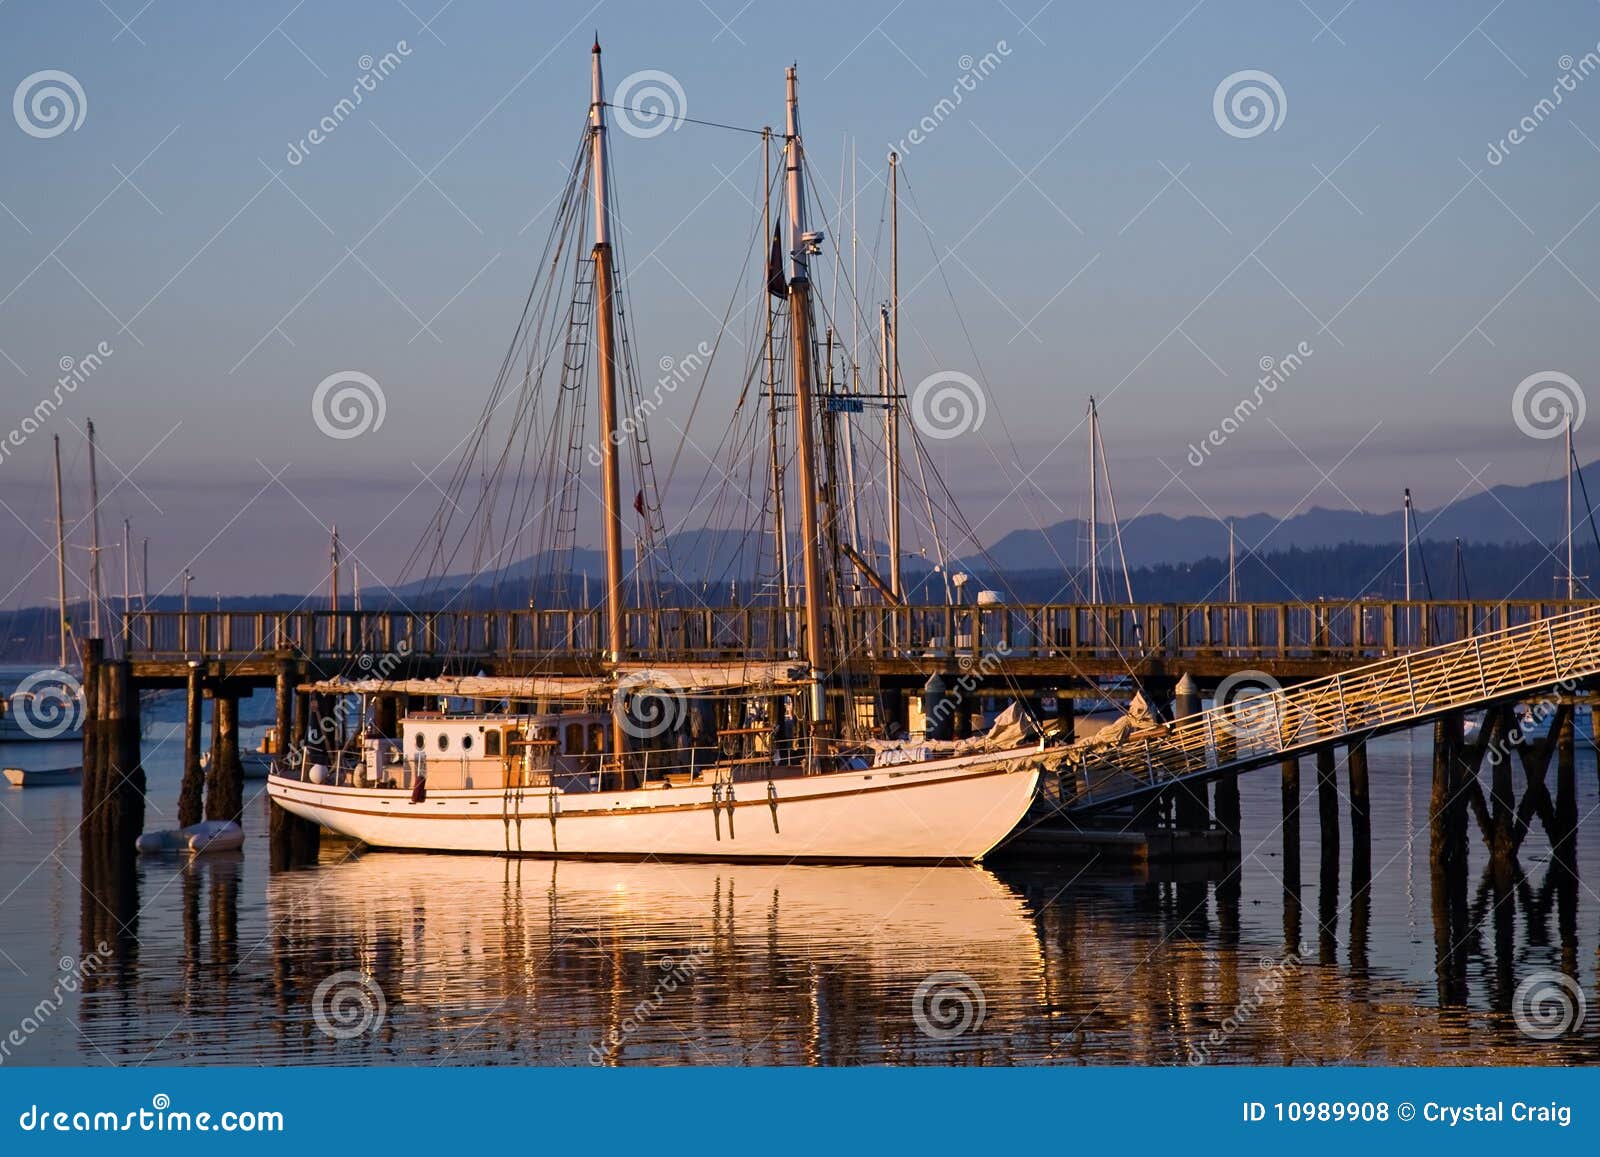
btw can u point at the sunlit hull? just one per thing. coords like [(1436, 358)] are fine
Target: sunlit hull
[(950, 809)]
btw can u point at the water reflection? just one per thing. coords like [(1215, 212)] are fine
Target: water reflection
[(479, 960)]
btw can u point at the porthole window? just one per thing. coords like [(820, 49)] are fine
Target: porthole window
[(444, 741), (466, 743), (421, 740)]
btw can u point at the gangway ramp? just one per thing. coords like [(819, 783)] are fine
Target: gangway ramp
[(1552, 654)]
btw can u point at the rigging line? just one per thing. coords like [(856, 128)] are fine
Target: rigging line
[(1005, 426), (710, 361), (657, 114)]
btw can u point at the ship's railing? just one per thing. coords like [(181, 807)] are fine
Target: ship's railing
[(1534, 656), (1331, 631)]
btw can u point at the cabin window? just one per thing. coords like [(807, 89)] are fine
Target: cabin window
[(444, 741), (597, 737), (491, 743), (421, 740), (466, 743), (574, 740)]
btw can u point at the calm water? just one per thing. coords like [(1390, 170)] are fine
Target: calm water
[(484, 961)]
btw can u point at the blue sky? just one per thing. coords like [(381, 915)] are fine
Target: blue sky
[(1098, 229)]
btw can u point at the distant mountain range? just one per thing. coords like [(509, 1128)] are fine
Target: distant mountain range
[(1499, 515)]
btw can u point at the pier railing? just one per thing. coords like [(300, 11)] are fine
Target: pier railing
[(1537, 656), (1334, 632)]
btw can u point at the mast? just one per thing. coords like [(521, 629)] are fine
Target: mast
[(127, 588), (891, 419), (1094, 510), (94, 542), (1233, 566), (1571, 581), (61, 561), (144, 574), (606, 348), (800, 335), (333, 570), (1406, 532)]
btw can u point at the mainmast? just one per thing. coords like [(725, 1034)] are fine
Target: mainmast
[(61, 560), (606, 348), (801, 245), (891, 417)]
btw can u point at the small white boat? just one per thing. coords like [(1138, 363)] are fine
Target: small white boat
[(206, 836), (254, 764), (43, 776)]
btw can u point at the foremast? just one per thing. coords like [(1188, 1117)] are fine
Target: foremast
[(606, 349)]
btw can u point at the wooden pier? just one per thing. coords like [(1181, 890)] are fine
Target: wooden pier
[(1060, 652)]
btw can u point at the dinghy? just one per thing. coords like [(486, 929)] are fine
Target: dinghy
[(43, 776), (206, 836)]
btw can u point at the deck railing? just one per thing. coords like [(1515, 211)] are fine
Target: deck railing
[(1319, 631)]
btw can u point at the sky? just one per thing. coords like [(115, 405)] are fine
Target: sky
[(1093, 216)]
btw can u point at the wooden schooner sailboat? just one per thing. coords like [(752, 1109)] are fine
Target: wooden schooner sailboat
[(569, 767)]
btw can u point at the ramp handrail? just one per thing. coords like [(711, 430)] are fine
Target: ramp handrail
[(1381, 696)]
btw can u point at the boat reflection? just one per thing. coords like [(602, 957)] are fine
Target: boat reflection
[(588, 962)]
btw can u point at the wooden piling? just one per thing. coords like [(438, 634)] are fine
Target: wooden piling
[(1360, 798), (191, 791), (1328, 799), (1290, 769), (225, 784)]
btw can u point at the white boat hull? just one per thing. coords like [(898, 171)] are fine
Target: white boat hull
[(951, 809)]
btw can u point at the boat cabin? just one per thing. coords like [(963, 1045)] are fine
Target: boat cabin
[(561, 750)]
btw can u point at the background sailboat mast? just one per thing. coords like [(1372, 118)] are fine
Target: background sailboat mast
[(800, 333), (1094, 509), (61, 560), (892, 413), (605, 341), (94, 542), (1572, 584), (1405, 514)]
